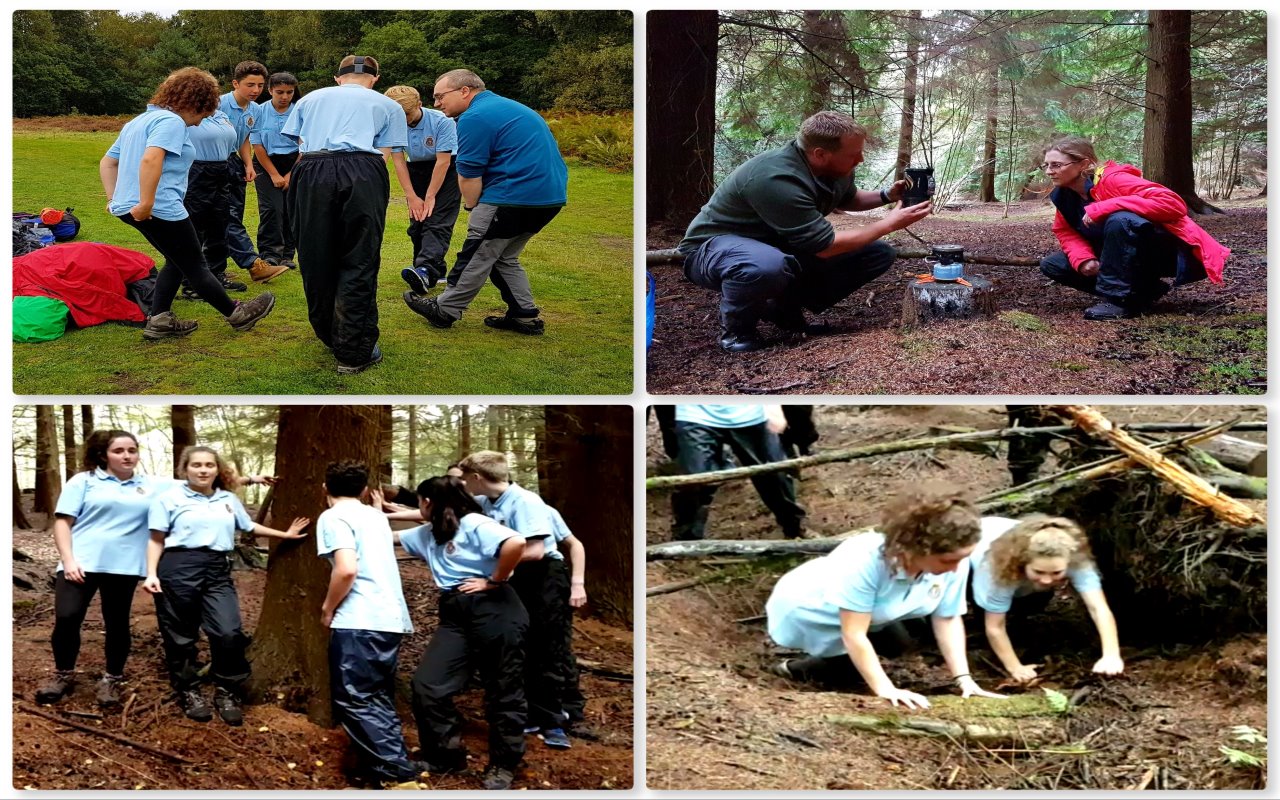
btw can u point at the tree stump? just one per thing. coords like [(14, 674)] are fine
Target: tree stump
[(925, 302)]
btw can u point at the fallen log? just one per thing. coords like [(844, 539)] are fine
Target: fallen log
[(1241, 455), (1194, 488), (706, 548), (994, 731), (115, 737), (604, 671), (655, 258)]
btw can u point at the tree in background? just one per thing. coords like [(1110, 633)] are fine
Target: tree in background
[(69, 460), (1166, 137), (48, 479), (183, 419)]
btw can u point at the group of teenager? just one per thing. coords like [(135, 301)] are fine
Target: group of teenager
[(495, 550), (764, 244), (178, 172)]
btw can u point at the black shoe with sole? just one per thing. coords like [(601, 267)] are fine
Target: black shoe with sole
[(741, 342), (59, 686), (194, 706), (248, 312), (427, 307), (496, 778), (1105, 310), (351, 369), (228, 706), (530, 326)]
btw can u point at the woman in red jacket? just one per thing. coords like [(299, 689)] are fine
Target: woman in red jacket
[(1120, 233)]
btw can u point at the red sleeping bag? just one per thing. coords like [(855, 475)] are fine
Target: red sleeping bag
[(90, 278)]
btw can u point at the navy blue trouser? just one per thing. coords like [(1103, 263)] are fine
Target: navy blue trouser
[(71, 603), (207, 201), (485, 630), (239, 245), (197, 592), (432, 236), (362, 675), (338, 207), (1133, 254), (543, 587), (702, 450), (275, 233), (752, 277)]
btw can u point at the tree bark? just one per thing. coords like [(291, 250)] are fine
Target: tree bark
[(680, 154), (290, 646), (86, 422), (591, 446), (20, 520), (69, 440), (183, 421), (464, 432), (987, 193), (48, 475), (412, 466), (1238, 454), (1166, 131), (386, 439), (906, 125)]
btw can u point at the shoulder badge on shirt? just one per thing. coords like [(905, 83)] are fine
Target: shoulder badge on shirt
[(142, 490), (227, 506), (450, 548), (935, 591), (431, 141)]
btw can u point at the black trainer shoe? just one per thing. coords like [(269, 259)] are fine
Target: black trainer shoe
[(497, 778), (57, 687), (109, 690), (427, 307), (530, 326), (194, 706), (231, 285), (419, 279), (228, 706), (741, 341), (166, 326), (351, 369), (248, 312), (1105, 310)]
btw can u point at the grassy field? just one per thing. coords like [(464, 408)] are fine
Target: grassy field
[(580, 268)]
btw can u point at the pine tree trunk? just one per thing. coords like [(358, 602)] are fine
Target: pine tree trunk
[(412, 466), (592, 446), (1166, 135), (386, 438), (20, 520), (988, 190), (69, 441), (48, 475), (906, 128), (680, 155), (464, 432), (183, 421), (290, 646), (86, 421)]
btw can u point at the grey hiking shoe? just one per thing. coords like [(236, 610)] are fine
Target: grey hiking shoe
[(109, 690), (194, 706), (530, 326), (57, 687), (351, 369), (248, 312), (497, 778), (166, 326)]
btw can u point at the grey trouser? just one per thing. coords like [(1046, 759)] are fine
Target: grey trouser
[(495, 237)]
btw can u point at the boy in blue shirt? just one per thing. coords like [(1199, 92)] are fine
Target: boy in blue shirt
[(514, 182), (367, 617)]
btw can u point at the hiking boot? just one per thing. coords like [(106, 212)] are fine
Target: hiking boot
[(261, 271), (1105, 310), (228, 706), (289, 263), (427, 307), (419, 279), (782, 669), (496, 779), (741, 341), (166, 326), (194, 706), (588, 733), (351, 369), (791, 319), (530, 326), (57, 687), (231, 285), (248, 312), (555, 738), (109, 690)]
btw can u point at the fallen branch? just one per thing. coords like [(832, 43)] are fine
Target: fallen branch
[(668, 588), (1194, 488), (1016, 733), (115, 737), (604, 671), (704, 548), (654, 258)]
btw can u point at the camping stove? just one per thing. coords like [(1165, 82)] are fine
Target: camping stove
[(947, 262)]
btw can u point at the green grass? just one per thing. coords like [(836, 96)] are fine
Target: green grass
[(580, 268), (1229, 355), (1024, 321)]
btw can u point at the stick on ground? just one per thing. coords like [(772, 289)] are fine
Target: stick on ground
[(61, 720)]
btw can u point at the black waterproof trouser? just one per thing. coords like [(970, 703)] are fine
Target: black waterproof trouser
[(362, 675), (239, 245), (208, 201), (275, 233), (1133, 254), (543, 587), (197, 593), (338, 207), (178, 243), (702, 450), (432, 236), (485, 630), (71, 603)]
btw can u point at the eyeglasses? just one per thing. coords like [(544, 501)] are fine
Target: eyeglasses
[(437, 97), (1057, 165)]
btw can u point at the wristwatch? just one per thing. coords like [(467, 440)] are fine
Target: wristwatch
[(884, 197)]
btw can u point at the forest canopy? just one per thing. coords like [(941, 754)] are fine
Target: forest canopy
[(104, 62)]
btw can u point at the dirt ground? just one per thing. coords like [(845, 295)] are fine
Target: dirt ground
[(719, 719), (1201, 338), (275, 749)]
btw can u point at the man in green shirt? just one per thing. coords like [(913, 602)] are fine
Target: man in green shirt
[(763, 240)]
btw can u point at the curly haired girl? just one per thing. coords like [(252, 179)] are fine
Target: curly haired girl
[(1038, 554)]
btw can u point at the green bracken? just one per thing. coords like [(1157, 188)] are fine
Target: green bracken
[(1024, 321)]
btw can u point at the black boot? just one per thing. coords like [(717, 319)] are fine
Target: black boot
[(739, 335)]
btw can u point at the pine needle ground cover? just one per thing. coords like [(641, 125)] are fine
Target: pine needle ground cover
[(579, 266)]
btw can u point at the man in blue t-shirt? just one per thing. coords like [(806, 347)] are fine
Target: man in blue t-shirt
[(513, 181), (703, 432)]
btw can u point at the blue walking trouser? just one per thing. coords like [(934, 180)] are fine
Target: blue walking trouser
[(757, 280), (239, 245), (362, 674), (1133, 254)]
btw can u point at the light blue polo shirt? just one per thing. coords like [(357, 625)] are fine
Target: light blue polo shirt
[(721, 416), (191, 519), (804, 609), (522, 510), (559, 532), (434, 133), (109, 530), (471, 553), (214, 138), (509, 146), (376, 601), (267, 131), (244, 120), (156, 127), (347, 118), (996, 596)]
